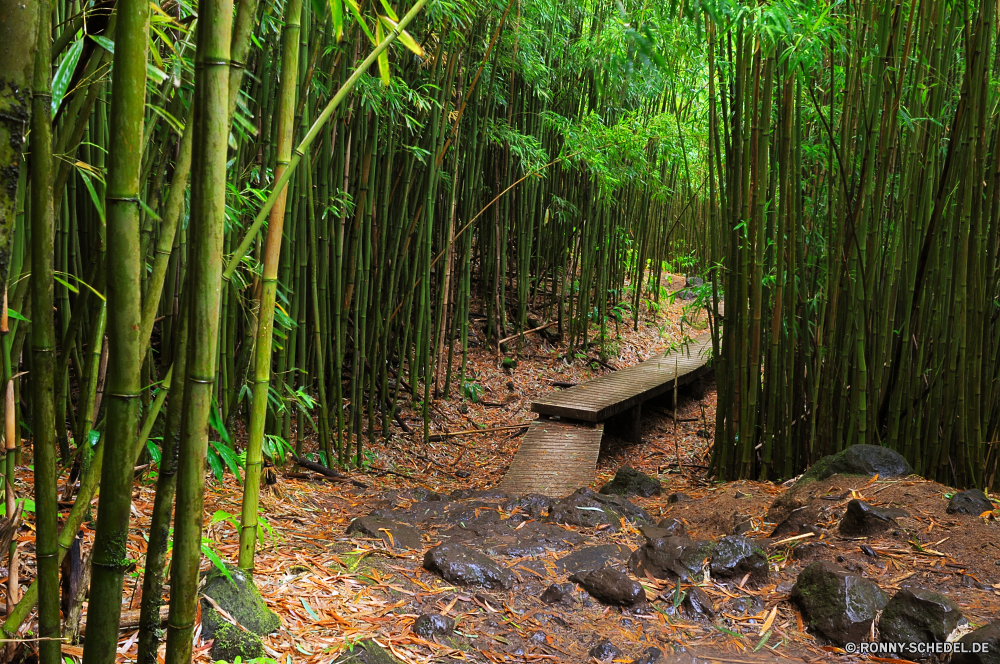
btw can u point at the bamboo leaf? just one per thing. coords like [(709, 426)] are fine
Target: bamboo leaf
[(388, 10), (383, 57), (337, 13), (356, 10), (64, 73), (405, 37), (154, 452), (209, 553)]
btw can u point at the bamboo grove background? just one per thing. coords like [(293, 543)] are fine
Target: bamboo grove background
[(852, 163), (216, 217)]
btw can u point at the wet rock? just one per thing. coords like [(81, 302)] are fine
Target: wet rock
[(855, 460), (589, 509), (988, 636), (535, 504), (630, 482), (740, 523), (810, 550), (678, 498), (417, 512), (918, 615), (423, 494), (864, 520), (459, 564), (560, 593), (736, 556), (594, 557), (838, 604), (428, 625), (742, 606), (494, 496), (801, 520), (610, 586), (237, 595), (697, 603), (367, 652), (694, 282), (396, 535), (671, 558), (532, 539), (859, 460), (604, 650), (665, 528), (650, 655), (972, 501)]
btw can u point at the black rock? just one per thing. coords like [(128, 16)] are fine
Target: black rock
[(859, 460), (918, 615), (462, 474), (429, 624), (395, 534), (604, 650), (737, 556), (864, 520), (743, 606), (678, 498), (535, 504), (987, 636), (838, 604), (594, 557), (589, 509), (650, 655), (810, 550), (459, 564), (671, 558), (610, 586), (666, 528), (532, 539), (367, 652), (237, 595), (559, 593), (972, 501), (801, 520), (740, 523), (697, 603), (630, 482)]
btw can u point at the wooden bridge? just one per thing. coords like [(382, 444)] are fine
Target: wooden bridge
[(559, 452)]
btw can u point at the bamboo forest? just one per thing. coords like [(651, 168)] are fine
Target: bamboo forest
[(358, 332)]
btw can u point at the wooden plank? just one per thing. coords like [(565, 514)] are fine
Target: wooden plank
[(616, 392), (554, 458)]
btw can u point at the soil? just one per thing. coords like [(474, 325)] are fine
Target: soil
[(333, 590)]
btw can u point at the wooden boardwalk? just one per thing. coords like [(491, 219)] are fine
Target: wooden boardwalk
[(557, 456), (554, 458), (618, 391)]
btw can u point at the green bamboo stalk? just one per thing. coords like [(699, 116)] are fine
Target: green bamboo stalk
[(110, 557), (43, 341), (208, 203)]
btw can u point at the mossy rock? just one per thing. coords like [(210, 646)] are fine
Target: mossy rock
[(240, 599), (857, 460), (866, 460), (509, 363), (629, 482), (367, 652), (232, 642)]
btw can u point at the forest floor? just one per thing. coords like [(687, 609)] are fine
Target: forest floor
[(333, 590)]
